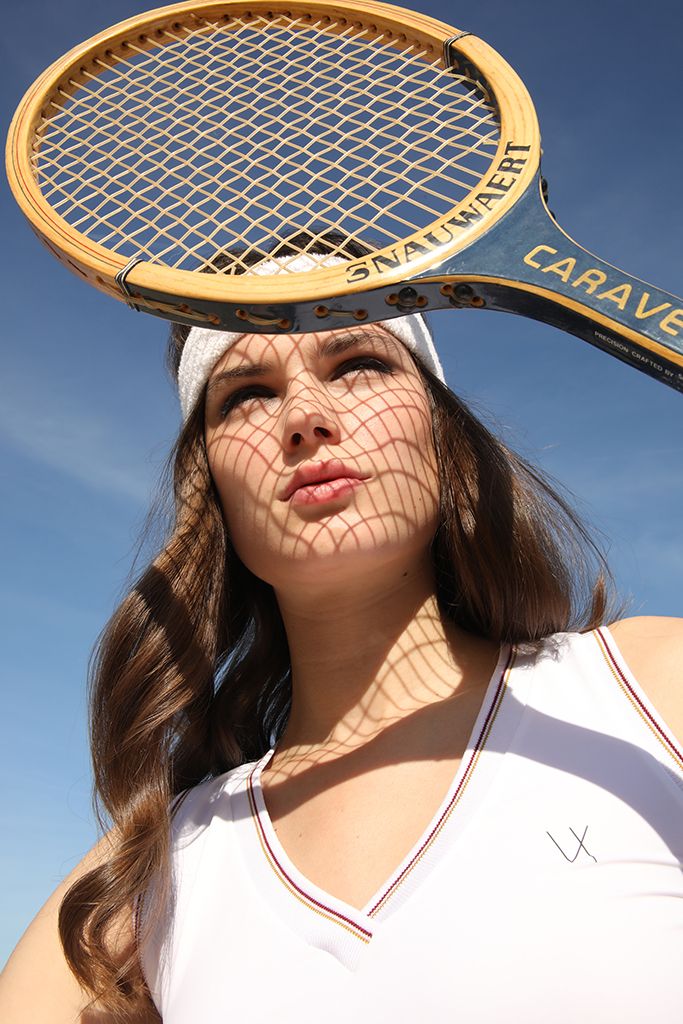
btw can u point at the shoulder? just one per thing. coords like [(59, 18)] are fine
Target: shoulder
[(651, 643), (37, 982), (652, 647)]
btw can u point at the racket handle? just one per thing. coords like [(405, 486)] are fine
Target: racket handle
[(528, 265)]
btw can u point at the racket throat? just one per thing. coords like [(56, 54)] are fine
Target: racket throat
[(527, 265)]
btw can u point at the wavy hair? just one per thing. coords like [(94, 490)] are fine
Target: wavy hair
[(191, 676)]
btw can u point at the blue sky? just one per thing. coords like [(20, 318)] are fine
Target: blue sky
[(87, 413)]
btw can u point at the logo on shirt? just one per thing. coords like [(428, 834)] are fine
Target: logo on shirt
[(579, 848)]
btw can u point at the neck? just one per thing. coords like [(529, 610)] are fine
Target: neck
[(367, 658)]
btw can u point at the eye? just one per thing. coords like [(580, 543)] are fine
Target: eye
[(241, 396), (361, 364)]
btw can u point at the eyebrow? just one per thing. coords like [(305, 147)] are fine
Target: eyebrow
[(343, 342), (334, 347), (237, 373)]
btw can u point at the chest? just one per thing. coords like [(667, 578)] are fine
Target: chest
[(349, 837), (348, 819), (558, 901)]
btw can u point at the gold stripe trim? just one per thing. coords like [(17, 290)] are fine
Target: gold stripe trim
[(285, 881), (466, 781)]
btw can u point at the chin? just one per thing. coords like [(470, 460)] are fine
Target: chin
[(330, 553)]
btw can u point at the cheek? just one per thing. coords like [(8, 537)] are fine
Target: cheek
[(395, 437), (400, 435), (240, 467), (401, 415)]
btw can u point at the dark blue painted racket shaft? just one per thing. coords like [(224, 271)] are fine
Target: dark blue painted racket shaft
[(527, 248)]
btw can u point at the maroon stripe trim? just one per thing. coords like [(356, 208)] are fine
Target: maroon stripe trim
[(646, 714), (290, 881), (479, 745)]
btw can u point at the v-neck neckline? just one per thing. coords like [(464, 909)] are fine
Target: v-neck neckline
[(329, 922)]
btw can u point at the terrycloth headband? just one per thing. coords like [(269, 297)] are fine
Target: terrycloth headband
[(203, 348)]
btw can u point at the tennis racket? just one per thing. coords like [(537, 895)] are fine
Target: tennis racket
[(165, 159)]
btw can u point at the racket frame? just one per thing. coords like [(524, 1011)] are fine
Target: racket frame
[(191, 297), (474, 266)]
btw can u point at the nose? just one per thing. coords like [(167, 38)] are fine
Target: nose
[(309, 421)]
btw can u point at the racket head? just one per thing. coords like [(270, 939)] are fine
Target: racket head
[(79, 153)]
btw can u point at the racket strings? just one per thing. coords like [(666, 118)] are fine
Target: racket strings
[(276, 143), (204, 68), (425, 153), (232, 137), (318, 137), (399, 197)]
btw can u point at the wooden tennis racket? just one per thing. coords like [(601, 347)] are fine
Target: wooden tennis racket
[(205, 134)]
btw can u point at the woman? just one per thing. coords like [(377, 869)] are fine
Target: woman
[(399, 786)]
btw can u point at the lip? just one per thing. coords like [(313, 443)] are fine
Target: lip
[(320, 473)]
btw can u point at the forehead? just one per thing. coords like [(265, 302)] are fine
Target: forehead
[(280, 349)]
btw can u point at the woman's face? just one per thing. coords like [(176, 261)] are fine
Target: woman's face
[(320, 446)]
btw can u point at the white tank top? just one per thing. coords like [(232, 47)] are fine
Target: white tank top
[(547, 887)]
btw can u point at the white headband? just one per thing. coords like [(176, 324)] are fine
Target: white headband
[(203, 348)]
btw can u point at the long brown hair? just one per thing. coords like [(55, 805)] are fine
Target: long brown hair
[(191, 676)]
